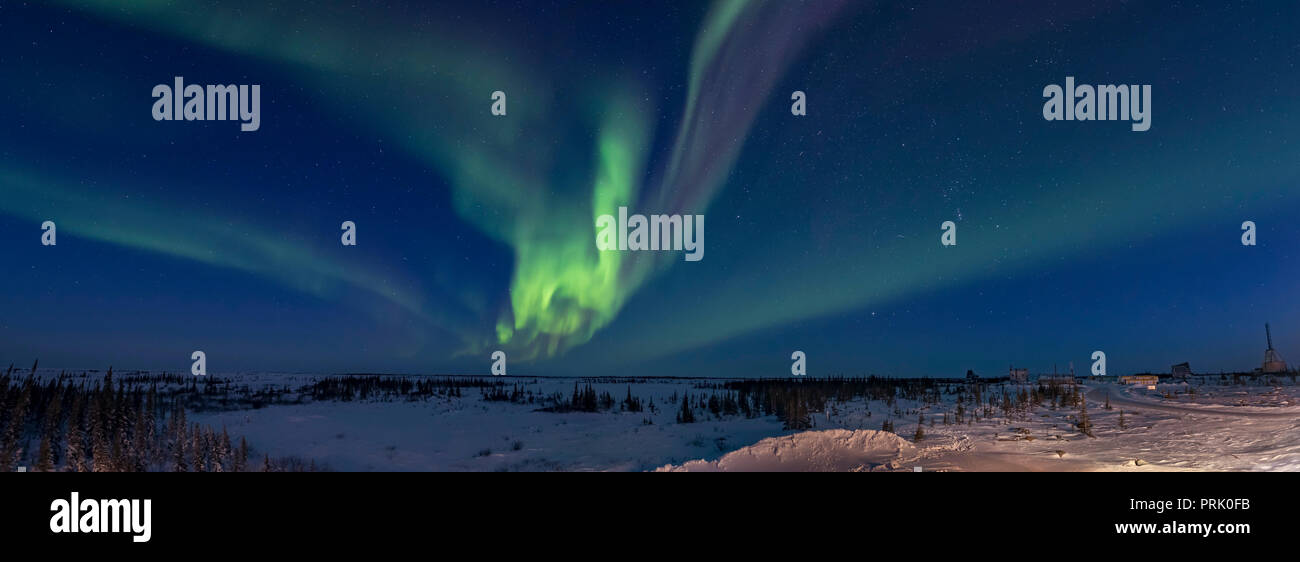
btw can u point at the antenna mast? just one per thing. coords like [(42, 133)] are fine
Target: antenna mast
[(1273, 362)]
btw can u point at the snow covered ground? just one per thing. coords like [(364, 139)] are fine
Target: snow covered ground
[(468, 433), (1236, 427), (1209, 424)]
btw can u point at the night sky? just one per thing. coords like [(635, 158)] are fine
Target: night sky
[(475, 232)]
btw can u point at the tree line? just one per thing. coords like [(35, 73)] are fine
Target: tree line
[(113, 426)]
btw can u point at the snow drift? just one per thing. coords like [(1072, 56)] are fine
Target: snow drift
[(833, 450)]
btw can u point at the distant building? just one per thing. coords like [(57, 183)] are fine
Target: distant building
[(1056, 379), (971, 376), (1144, 380), (1181, 370), (1019, 376)]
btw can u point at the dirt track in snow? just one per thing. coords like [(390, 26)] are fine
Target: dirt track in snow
[(1098, 395)]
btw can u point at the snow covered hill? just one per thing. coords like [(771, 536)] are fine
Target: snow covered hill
[(833, 450)]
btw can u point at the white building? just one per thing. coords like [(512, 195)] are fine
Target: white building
[(1019, 376)]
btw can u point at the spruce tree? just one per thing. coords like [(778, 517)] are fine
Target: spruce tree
[(144, 435), (197, 450), (10, 451), (179, 441), (100, 449), (45, 455), (241, 457), (76, 454), (1085, 426), (796, 413), (123, 423), (686, 415), (223, 452), (46, 458)]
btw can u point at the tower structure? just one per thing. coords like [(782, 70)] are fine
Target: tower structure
[(1273, 362)]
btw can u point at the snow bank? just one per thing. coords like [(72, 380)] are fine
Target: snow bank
[(833, 450)]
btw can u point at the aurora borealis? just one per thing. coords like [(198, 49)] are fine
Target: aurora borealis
[(476, 232)]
